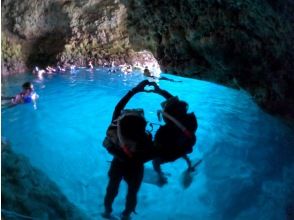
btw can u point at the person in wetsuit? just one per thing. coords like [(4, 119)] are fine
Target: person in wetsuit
[(131, 147), (176, 138)]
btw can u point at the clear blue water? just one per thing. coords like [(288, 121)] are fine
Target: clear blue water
[(248, 159)]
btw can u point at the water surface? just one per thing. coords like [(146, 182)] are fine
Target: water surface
[(247, 168)]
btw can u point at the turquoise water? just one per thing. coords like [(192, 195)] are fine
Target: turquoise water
[(248, 159)]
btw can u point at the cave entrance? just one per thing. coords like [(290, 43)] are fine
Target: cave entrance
[(46, 48)]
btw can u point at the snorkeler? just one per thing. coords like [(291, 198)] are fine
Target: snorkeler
[(27, 95), (38, 72), (147, 73), (60, 68), (50, 70), (90, 65), (131, 146), (176, 138), (126, 69)]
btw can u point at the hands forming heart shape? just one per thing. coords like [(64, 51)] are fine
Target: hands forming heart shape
[(149, 88)]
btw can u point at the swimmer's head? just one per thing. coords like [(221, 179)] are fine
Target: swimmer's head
[(28, 86), (175, 107)]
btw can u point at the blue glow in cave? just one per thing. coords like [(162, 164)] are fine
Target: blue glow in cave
[(248, 156)]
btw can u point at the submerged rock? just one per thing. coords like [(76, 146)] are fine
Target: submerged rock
[(27, 193)]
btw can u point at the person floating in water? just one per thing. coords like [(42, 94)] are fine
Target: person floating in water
[(27, 95), (39, 72), (147, 73), (126, 69), (90, 65), (50, 70), (177, 137), (60, 68), (131, 146)]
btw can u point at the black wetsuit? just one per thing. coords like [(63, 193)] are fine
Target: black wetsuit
[(171, 143), (130, 169)]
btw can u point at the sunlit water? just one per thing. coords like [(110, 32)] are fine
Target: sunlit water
[(247, 169)]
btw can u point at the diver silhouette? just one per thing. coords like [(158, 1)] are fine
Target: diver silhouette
[(176, 138), (130, 144)]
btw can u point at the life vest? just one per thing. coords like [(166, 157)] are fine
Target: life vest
[(28, 98), (177, 137), (115, 135)]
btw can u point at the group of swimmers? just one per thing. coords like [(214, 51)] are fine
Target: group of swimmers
[(130, 144), (148, 70), (71, 67), (112, 68), (48, 70), (28, 94)]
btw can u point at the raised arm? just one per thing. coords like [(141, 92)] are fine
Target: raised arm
[(123, 102), (160, 91)]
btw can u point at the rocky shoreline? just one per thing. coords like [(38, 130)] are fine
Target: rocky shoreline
[(244, 44), (27, 193)]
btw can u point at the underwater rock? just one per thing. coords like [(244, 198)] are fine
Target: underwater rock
[(29, 193), (243, 44)]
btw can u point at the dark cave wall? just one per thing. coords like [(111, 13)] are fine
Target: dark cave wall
[(40, 27), (244, 44), (27, 193)]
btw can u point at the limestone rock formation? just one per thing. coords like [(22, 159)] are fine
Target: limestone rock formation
[(245, 44), (27, 193)]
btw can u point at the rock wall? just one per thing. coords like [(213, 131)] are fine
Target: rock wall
[(244, 44), (27, 193), (67, 31), (247, 44)]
